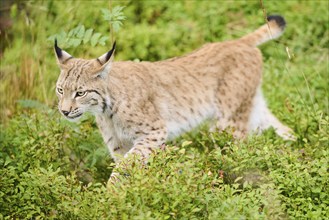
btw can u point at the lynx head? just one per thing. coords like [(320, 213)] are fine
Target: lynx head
[(81, 84)]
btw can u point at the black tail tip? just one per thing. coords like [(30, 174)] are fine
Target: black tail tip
[(278, 19)]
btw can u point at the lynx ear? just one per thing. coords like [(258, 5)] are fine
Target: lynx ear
[(61, 55), (106, 57), (106, 62)]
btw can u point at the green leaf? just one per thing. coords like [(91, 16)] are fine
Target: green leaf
[(182, 151), (196, 209), (186, 143), (87, 36), (102, 40), (106, 14), (74, 42), (71, 33), (94, 39), (116, 26), (238, 179), (114, 16), (81, 32)]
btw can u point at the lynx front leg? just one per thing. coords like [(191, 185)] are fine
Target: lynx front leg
[(148, 131), (143, 147), (148, 143)]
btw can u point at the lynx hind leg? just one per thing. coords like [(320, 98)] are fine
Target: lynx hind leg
[(261, 119)]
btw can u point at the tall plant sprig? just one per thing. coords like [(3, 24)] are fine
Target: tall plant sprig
[(115, 17), (80, 35)]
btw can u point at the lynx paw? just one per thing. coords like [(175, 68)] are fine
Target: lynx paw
[(286, 133)]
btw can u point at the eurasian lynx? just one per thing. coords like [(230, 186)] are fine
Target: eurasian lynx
[(139, 106)]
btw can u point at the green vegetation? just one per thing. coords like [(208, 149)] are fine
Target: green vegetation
[(53, 169)]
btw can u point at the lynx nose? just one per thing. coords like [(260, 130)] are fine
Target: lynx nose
[(66, 113)]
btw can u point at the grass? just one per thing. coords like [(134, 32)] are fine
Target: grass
[(53, 169)]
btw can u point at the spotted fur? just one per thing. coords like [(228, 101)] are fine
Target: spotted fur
[(139, 106)]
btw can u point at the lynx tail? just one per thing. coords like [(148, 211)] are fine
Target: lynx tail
[(273, 29)]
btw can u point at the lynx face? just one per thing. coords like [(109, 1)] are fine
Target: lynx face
[(74, 97), (80, 85)]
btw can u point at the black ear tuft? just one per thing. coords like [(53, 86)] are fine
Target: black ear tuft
[(109, 54), (58, 50)]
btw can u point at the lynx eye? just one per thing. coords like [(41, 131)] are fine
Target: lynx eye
[(80, 94), (60, 90)]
